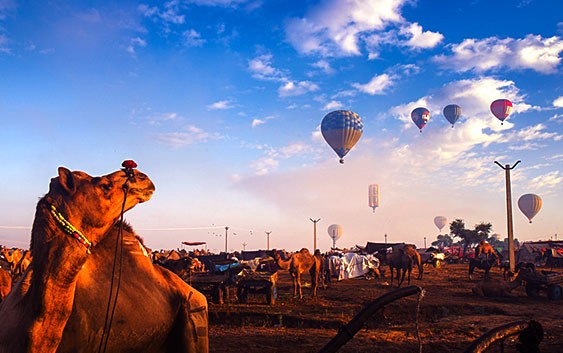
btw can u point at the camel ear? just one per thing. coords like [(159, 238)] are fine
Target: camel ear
[(67, 180)]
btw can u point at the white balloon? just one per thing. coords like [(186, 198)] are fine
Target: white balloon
[(440, 222)]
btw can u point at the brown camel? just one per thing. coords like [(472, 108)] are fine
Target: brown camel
[(401, 262), (297, 264), (60, 302), (5, 283), (489, 287), (13, 256), (416, 260), (22, 265)]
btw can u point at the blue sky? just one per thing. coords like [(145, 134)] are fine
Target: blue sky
[(220, 102)]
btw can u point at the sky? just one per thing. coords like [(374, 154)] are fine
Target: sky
[(220, 102)]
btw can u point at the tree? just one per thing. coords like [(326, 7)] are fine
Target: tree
[(469, 236), (443, 240)]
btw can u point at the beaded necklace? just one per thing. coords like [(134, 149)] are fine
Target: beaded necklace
[(70, 229)]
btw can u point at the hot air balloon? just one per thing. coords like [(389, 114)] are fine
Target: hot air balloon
[(342, 129), (420, 116), (530, 205), (440, 222), (335, 231), (501, 108), (373, 196), (452, 112)]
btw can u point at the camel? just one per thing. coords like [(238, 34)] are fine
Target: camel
[(483, 264), (59, 304), (22, 265), (416, 260), (489, 287), (297, 264), (5, 283), (495, 288), (13, 256), (402, 263)]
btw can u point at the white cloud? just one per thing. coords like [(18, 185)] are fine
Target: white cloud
[(169, 14), (157, 119), (257, 122), (420, 38), (291, 88), (558, 118), (192, 135), (552, 181), (261, 68), (340, 27), (222, 3), (333, 105), (530, 133), (134, 43), (221, 105), (192, 38), (377, 85), (558, 102), (272, 156), (532, 52)]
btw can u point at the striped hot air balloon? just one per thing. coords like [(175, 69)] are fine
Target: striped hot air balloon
[(530, 205), (452, 112), (342, 129), (373, 196)]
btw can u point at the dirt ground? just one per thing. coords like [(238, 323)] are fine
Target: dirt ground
[(450, 317)]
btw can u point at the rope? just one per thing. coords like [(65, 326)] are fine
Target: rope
[(118, 248), (420, 296)]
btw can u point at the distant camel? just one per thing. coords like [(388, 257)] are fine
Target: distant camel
[(59, 305), (297, 264), (13, 256), (401, 262), (483, 264), (416, 260), (5, 283), (22, 265)]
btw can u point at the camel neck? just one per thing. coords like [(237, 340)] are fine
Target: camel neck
[(69, 229)]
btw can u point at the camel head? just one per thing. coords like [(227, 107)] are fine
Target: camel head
[(93, 204)]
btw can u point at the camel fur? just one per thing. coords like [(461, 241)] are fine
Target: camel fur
[(402, 263), (416, 260), (5, 283), (59, 303), (489, 287), (297, 264)]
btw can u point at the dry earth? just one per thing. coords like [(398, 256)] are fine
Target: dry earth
[(450, 317)]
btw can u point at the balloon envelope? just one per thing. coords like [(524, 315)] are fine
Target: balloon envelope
[(373, 196), (342, 129), (420, 117), (530, 205), (335, 231), (452, 112), (501, 109), (440, 222)]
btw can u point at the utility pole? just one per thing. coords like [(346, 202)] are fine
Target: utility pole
[(268, 241), (244, 246), (507, 168), (314, 233), (385, 238), (425, 242), (226, 236)]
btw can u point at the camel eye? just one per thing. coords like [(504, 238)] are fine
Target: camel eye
[(106, 187)]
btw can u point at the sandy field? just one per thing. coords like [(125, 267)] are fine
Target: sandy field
[(450, 316)]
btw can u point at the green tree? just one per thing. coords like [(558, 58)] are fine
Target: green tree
[(443, 240), (469, 236)]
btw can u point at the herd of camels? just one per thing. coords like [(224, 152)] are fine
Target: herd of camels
[(58, 301)]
